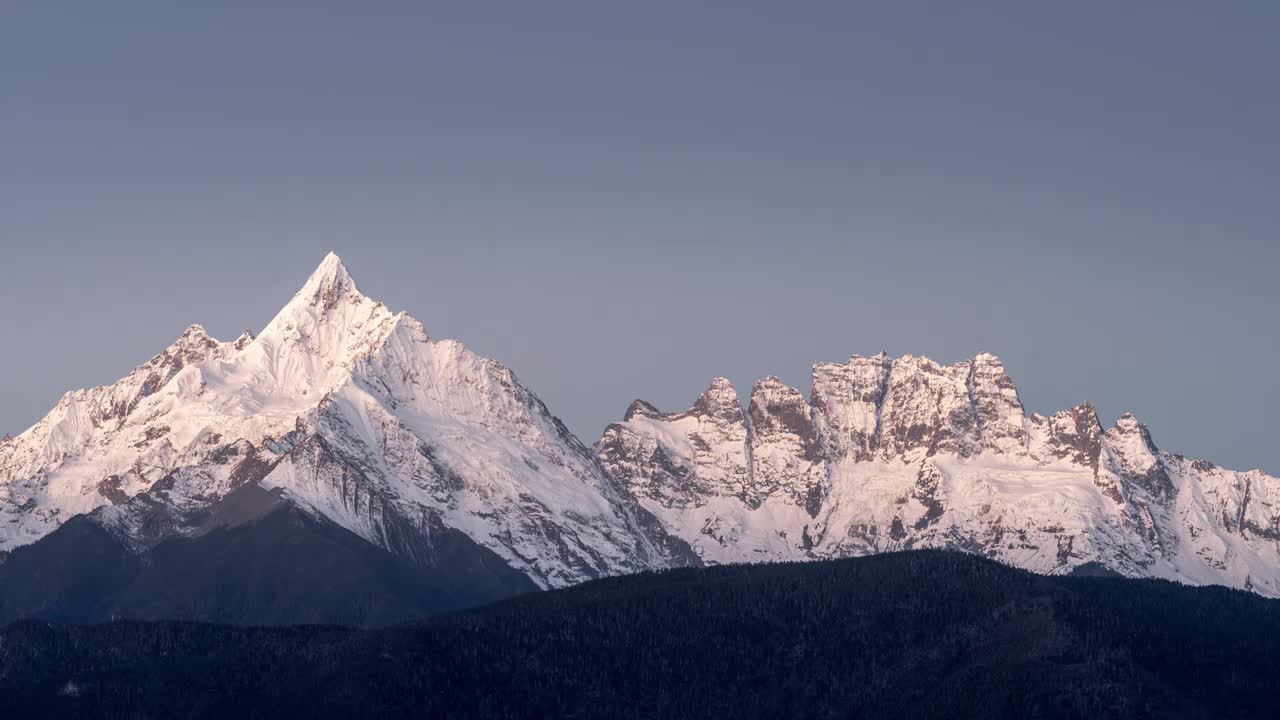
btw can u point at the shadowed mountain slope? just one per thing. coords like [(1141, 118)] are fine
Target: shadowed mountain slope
[(279, 565)]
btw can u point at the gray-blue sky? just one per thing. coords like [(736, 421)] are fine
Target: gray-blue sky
[(623, 200)]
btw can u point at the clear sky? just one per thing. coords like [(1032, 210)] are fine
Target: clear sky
[(622, 200)]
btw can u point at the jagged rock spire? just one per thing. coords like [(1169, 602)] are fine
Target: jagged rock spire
[(785, 454), (720, 399), (328, 286)]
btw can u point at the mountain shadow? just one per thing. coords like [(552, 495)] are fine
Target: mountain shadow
[(262, 561)]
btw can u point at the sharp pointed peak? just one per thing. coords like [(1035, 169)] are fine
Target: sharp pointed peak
[(330, 270), (720, 385), (329, 284), (720, 399), (331, 261), (195, 335), (1086, 410), (243, 341), (1128, 425), (194, 345), (1128, 421), (771, 384), (1082, 413), (642, 408)]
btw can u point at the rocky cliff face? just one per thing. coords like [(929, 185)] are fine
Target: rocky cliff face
[(785, 450), (905, 453)]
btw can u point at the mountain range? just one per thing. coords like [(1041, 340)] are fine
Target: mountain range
[(343, 466)]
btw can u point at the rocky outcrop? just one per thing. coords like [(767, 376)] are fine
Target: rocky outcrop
[(848, 400), (702, 456), (785, 453)]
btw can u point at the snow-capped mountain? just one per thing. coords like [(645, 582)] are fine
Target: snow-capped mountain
[(905, 453), (349, 414), (348, 410)]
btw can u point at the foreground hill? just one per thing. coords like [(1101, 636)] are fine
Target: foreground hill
[(920, 634)]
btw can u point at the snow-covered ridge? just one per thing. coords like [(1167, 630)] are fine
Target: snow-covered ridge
[(902, 453), (352, 412)]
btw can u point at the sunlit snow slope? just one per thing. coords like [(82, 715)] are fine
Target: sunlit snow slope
[(350, 411)]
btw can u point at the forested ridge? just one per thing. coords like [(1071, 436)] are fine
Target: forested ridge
[(918, 634)]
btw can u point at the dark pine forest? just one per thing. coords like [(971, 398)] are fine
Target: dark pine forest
[(905, 635)]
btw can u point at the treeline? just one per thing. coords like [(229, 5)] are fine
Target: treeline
[(921, 634)]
